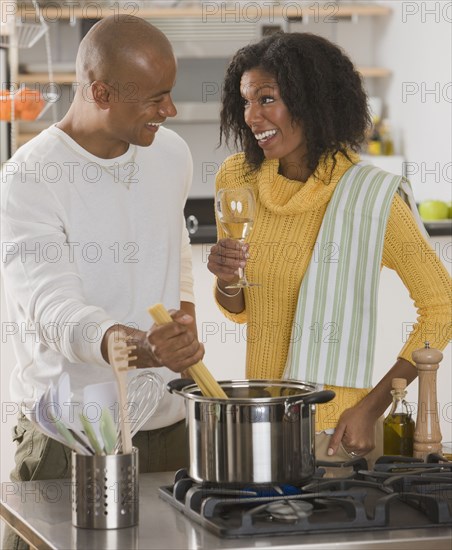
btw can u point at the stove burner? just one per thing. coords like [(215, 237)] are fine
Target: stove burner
[(396, 494), (288, 511)]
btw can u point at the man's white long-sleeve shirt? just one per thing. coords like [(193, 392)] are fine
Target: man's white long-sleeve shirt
[(88, 243)]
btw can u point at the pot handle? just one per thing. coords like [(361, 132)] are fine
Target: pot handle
[(318, 397), (178, 384)]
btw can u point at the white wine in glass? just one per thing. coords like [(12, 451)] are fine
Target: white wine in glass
[(236, 209)]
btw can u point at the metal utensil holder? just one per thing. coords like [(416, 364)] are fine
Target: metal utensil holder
[(105, 490)]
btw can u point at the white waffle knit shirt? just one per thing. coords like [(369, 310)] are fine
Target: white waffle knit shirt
[(88, 243)]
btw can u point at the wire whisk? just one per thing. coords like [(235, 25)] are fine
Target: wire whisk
[(144, 393)]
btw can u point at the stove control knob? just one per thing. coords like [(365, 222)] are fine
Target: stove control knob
[(192, 224)]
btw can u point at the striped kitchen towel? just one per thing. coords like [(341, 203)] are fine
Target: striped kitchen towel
[(333, 333)]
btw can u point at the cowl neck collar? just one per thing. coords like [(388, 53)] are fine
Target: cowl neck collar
[(284, 196)]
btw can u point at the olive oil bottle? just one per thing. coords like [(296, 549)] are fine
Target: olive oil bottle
[(398, 426)]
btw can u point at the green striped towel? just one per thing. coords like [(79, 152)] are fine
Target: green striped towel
[(333, 333)]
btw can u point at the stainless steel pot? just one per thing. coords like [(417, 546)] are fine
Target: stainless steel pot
[(263, 433)]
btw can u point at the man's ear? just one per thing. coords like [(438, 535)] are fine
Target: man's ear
[(103, 95)]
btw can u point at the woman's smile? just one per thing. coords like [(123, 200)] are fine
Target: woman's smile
[(266, 114)]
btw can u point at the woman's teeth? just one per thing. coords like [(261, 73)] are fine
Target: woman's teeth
[(153, 123), (265, 135)]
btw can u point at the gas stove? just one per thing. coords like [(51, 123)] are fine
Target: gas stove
[(397, 493)]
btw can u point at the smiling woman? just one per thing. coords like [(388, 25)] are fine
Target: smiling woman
[(303, 72), (324, 225), (269, 119)]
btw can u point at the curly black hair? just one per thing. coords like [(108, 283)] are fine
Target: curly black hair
[(318, 84)]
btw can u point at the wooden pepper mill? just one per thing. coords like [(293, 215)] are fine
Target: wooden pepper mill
[(427, 434)]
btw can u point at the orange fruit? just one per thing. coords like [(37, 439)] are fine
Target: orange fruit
[(5, 105), (28, 104)]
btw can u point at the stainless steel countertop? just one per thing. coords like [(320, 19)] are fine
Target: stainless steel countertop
[(42, 511)]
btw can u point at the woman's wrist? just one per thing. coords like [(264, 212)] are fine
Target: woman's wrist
[(227, 294)]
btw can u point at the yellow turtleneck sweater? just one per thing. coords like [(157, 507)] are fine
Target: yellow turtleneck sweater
[(287, 221)]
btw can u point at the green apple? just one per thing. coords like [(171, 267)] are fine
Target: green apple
[(433, 210), (449, 205)]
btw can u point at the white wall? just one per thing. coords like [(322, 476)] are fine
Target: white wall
[(415, 42)]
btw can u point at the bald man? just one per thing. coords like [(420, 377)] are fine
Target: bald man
[(93, 233)]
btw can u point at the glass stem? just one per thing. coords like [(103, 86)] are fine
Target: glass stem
[(241, 270), (242, 276)]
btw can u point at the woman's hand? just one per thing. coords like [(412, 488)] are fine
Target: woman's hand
[(225, 259), (356, 426), (355, 430)]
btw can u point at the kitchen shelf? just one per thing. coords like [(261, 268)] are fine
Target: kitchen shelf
[(43, 78), (374, 72), (328, 10), (69, 78)]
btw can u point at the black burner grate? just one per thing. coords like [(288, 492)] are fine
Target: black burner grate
[(409, 494)]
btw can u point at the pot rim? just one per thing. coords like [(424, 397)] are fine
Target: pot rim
[(188, 391)]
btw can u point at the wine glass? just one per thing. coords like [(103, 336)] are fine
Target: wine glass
[(235, 211)]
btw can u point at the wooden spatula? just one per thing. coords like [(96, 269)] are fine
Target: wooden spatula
[(118, 355)]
